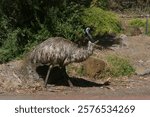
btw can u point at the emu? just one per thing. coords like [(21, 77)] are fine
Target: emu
[(58, 51)]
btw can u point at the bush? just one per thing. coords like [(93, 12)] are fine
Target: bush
[(100, 3), (137, 23), (102, 21), (37, 38), (18, 33), (65, 22), (9, 49), (118, 66), (24, 24)]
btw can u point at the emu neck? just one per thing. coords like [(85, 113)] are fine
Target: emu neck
[(83, 53), (90, 47)]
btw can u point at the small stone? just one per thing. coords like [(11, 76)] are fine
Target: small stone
[(143, 72)]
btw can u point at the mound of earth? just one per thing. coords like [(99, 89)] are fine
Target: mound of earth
[(93, 67), (11, 79)]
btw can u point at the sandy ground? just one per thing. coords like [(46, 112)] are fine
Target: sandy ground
[(134, 87)]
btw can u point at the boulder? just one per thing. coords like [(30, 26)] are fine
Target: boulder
[(93, 67)]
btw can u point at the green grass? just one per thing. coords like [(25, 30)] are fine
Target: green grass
[(80, 71), (139, 23), (118, 66)]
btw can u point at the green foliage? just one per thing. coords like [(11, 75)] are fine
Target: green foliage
[(9, 49), (103, 4), (80, 71), (24, 24), (118, 66), (4, 29), (100, 3), (102, 21), (138, 6), (76, 70), (34, 39), (69, 25), (137, 23)]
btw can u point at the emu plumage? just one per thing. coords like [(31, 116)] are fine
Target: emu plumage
[(58, 51)]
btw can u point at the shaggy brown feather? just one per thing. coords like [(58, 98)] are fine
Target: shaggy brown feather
[(57, 51)]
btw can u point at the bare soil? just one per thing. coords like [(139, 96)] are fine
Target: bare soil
[(133, 87)]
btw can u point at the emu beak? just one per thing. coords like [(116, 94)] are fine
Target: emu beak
[(96, 42)]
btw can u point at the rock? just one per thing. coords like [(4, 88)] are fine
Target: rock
[(142, 72), (93, 67)]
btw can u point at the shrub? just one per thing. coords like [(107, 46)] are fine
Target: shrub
[(137, 23), (118, 66), (25, 24), (37, 38), (65, 22), (100, 3), (4, 29), (102, 21), (20, 36), (9, 50)]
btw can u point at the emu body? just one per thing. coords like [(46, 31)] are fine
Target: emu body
[(57, 51)]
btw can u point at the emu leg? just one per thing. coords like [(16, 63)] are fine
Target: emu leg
[(47, 76), (65, 75)]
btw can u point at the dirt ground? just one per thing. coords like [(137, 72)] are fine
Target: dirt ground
[(133, 87)]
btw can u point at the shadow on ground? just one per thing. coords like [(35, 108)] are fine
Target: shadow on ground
[(56, 78)]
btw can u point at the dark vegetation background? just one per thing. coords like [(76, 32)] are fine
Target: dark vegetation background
[(25, 23)]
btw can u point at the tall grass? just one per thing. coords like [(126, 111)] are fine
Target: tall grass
[(118, 66)]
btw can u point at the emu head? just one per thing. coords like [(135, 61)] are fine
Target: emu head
[(87, 31)]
